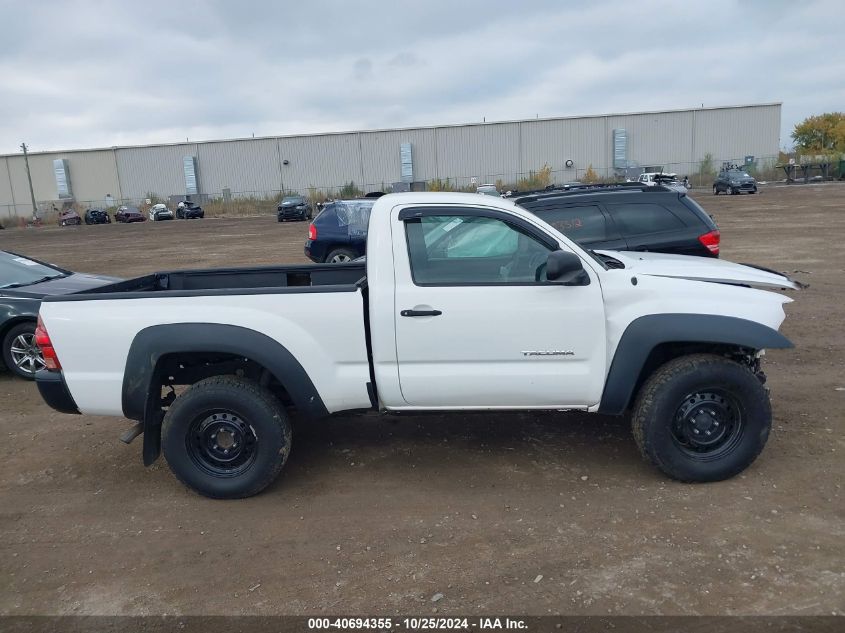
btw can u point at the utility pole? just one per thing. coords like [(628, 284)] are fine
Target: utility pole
[(29, 178)]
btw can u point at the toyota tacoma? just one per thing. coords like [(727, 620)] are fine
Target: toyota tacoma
[(465, 302)]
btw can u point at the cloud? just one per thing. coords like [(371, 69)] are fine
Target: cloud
[(84, 73), (362, 69)]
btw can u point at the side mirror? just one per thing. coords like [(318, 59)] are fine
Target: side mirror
[(565, 268)]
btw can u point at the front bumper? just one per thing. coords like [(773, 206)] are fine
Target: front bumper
[(291, 213), (53, 389)]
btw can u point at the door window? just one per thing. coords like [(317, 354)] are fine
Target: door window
[(473, 250)]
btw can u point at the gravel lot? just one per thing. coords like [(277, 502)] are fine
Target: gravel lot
[(499, 513)]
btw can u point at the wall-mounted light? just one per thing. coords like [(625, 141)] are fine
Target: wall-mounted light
[(286, 162), (570, 162)]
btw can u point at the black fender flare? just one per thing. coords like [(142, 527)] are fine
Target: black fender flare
[(643, 334), (152, 343)]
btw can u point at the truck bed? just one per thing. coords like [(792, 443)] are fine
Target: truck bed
[(296, 306), (299, 278)]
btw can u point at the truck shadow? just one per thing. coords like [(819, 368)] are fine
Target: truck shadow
[(449, 443)]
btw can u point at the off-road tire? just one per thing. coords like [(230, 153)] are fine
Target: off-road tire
[(252, 404), (669, 388)]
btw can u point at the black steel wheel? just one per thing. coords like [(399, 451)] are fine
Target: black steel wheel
[(221, 443), (701, 418), (226, 437), (708, 424)]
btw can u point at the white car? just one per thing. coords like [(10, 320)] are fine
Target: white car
[(464, 302), (488, 190), (670, 181), (160, 212)]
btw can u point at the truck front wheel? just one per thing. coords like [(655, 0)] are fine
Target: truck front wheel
[(226, 437), (702, 418)]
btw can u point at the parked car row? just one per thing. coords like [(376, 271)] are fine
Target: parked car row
[(126, 214)]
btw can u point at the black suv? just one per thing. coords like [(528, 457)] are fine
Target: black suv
[(634, 218), (293, 208), (734, 180)]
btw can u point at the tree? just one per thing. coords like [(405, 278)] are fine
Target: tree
[(821, 133)]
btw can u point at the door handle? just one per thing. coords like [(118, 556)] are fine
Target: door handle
[(416, 313)]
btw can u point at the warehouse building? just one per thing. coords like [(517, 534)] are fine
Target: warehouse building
[(610, 144)]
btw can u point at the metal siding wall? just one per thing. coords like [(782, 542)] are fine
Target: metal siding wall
[(156, 170), (554, 142), (43, 177), (246, 167), (656, 138), (380, 151), (321, 162), (92, 175), (732, 133), (6, 197), (486, 152)]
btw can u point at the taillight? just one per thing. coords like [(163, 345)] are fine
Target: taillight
[(42, 339), (312, 232), (711, 241)]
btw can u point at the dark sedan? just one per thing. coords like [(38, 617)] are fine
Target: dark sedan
[(129, 214), (293, 208), (189, 211), (23, 283), (97, 216)]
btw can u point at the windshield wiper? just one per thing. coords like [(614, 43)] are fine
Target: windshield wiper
[(32, 283)]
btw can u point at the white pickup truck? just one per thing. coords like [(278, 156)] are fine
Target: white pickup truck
[(464, 302)]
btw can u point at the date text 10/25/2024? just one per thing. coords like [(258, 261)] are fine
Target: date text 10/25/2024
[(417, 624)]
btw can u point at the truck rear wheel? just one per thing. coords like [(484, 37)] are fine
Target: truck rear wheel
[(226, 437), (702, 418)]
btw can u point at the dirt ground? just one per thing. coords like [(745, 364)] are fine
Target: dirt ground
[(376, 515)]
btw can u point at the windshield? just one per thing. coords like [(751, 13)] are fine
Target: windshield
[(739, 174), (18, 271), (130, 210), (293, 200)]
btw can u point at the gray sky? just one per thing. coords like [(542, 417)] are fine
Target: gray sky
[(79, 73)]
